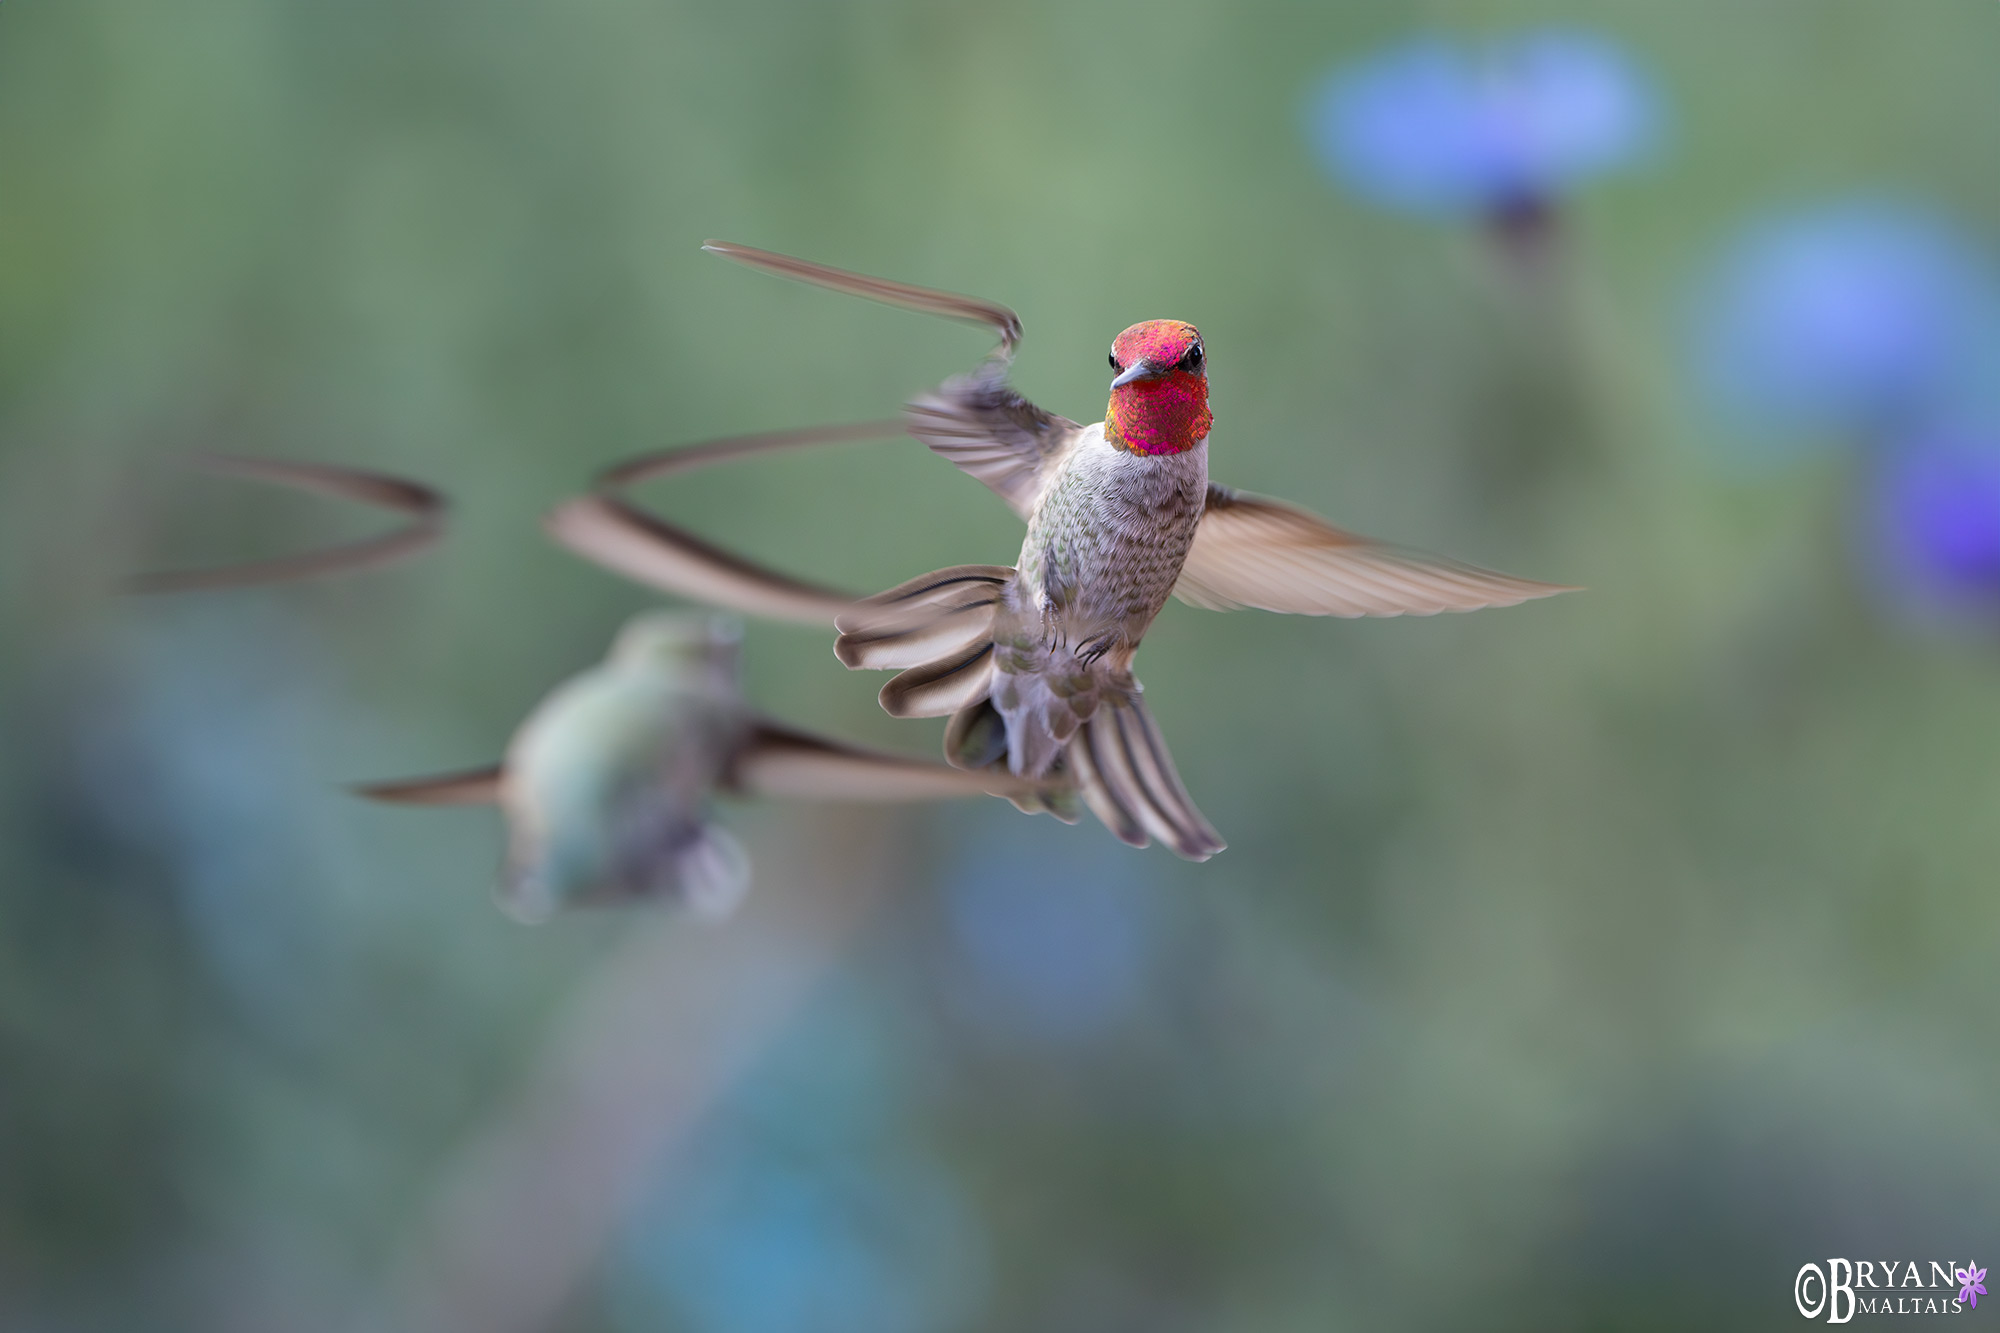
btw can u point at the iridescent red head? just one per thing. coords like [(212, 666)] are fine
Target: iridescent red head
[(1159, 398)]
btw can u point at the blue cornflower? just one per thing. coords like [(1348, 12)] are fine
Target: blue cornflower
[(1052, 944), (806, 1203), (1445, 130), (1859, 317), (1932, 518)]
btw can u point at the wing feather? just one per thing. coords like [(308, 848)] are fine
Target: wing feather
[(477, 786), (928, 300), (780, 761), (1250, 551), (422, 505), (978, 421), (610, 532), (991, 433)]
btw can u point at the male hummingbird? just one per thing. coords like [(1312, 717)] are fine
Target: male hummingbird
[(607, 786), (1033, 661)]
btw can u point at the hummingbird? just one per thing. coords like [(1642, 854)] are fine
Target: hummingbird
[(607, 787), (1033, 662)]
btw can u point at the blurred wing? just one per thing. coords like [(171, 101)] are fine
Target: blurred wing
[(950, 305), (778, 761), (424, 506), (612, 531), (627, 541), (477, 786), (994, 434), (977, 421), (1253, 552)]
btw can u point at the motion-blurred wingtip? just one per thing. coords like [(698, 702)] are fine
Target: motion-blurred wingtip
[(422, 504), (479, 786)]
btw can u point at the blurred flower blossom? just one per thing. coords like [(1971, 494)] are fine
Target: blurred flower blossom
[(188, 752), (761, 1244), (1860, 317), (1972, 1285), (1932, 519), (1497, 130), (1054, 936), (806, 1205)]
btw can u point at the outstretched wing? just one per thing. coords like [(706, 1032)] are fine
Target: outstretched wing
[(423, 506), (1250, 551), (950, 305), (779, 761), (977, 421), (994, 434), (611, 530)]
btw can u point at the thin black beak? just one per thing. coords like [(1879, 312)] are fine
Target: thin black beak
[(1138, 370)]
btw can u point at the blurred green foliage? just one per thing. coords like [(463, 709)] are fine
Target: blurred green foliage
[(1589, 964)]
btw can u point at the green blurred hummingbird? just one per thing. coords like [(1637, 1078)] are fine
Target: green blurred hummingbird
[(1034, 662), (607, 786)]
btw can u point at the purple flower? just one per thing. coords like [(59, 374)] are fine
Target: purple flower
[(1972, 1285), (1856, 317), (1436, 128), (1933, 513)]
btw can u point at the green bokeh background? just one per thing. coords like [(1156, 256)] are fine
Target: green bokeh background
[(1591, 964)]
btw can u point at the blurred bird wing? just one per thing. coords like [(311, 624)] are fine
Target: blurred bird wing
[(992, 433), (977, 421), (609, 532), (423, 505), (779, 761), (950, 305), (1250, 551), (476, 786)]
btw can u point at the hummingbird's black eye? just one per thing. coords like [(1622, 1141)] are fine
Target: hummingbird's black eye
[(1193, 359), (1114, 362)]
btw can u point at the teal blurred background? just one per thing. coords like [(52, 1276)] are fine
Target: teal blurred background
[(1590, 964)]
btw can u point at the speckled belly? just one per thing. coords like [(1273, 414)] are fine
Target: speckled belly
[(1104, 557)]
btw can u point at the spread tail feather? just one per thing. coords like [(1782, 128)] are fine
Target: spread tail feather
[(701, 868), (976, 740), (1129, 782), (931, 617), (943, 687), (937, 630)]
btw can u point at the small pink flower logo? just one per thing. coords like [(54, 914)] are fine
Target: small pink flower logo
[(1972, 1285)]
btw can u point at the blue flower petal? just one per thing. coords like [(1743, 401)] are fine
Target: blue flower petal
[(1933, 515), (1436, 128), (1860, 316)]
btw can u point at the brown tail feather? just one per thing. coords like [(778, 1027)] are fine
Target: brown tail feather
[(1129, 781), (976, 736), (938, 688), (886, 643), (925, 597), (937, 629), (1099, 797)]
